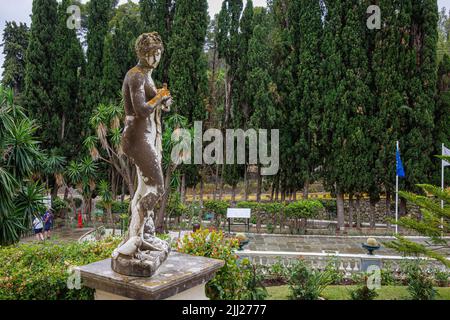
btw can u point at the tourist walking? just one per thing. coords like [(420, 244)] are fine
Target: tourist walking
[(38, 226), (48, 223)]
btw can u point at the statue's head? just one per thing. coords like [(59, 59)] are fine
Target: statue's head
[(149, 49)]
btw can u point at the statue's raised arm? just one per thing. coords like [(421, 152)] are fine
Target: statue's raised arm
[(142, 253)]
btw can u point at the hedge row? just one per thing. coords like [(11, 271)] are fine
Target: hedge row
[(40, 271)]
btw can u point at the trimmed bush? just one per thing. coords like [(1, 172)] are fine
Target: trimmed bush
[(304, 209), (40, 271), (219, 208)]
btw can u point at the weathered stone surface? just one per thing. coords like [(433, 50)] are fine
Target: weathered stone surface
[(142, 144), (179, 273)]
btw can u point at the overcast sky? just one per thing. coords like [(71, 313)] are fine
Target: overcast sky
[(20, 10)]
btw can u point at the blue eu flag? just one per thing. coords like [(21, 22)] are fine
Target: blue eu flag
[(400, 169)]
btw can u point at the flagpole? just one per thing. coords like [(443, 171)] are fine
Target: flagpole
[(442, 177), (396, 195), (442, 186)]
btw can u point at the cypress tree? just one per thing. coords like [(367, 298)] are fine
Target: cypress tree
[(188, 70), (119, 54), (421, 80), (99, 13), (442, 112), (15, 44), (283, 74), (389, 92), (228, 43), (306, 33), (158, 15), (40, 67), (242, 95), (347, 101), (66, 106), (264, 113)]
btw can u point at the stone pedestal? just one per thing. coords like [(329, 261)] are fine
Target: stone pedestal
[(181, 277), (370, 262)]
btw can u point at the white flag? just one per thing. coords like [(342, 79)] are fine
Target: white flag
[(446, 152)]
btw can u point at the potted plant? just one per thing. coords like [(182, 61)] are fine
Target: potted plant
[(371, 246), (243, 240)]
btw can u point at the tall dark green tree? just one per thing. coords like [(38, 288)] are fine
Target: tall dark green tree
[(188, 70), (389, 89), (15, 44), (99, 14), (66, 105), (228, 42), (260, 82), (442, 112), (306, 36), (242, 99), (119, 53), (40, 67), (421, 92), (284, 75), (347, 101), (158, 15)]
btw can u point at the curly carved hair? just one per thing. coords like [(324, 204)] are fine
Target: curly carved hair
[(148, 44)]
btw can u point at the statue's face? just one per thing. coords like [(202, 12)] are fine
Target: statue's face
[(154, 59)]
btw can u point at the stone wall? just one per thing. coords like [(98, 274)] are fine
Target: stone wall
[(380, 211)]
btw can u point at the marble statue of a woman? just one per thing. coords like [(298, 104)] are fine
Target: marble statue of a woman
[(142, 253)]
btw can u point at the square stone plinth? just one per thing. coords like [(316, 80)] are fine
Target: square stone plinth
[(181, 277)]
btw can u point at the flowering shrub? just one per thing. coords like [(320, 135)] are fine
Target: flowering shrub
[(234, 280), (40, 271)]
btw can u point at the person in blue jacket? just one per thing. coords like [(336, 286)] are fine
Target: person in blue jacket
[(48, 223)]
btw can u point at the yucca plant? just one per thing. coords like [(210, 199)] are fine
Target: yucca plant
[(52, 165), (82, 175), (19, 155), (107, 122), (29, 203), (106, 201)]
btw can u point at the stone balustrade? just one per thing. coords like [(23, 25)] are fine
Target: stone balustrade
[(346, 263)]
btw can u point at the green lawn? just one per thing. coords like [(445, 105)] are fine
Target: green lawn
[(342, 293)]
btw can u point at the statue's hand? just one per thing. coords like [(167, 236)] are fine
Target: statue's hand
[(162, 96), (156, 101), (167, 104)]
